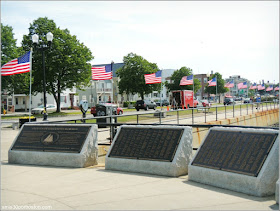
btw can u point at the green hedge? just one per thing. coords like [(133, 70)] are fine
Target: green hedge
[(125, 104)]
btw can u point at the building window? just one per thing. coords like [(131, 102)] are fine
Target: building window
[(23, 101), (205, 80), (84, 97), (109, 86), (63, 99), (155, 94), (16, 101)]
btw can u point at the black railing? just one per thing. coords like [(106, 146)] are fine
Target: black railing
[(181, 114)]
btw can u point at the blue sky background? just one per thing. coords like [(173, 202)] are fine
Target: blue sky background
[(230, 37)]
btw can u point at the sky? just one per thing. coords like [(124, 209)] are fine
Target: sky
[(229, 37)]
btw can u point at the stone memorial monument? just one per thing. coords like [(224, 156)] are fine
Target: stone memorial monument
[(67, 145), (160, 150), (238, 159)]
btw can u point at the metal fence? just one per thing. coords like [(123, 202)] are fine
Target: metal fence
[(176, 117)]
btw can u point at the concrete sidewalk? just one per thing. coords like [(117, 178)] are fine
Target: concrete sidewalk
[(94, 188)]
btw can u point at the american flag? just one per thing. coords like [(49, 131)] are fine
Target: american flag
[(229, 84), (153, 78), (270, 88), (212, 82), (242, 85), (101, 72), (253, 86), (276, 88), (261, 87), (186, 80), (17, 66)]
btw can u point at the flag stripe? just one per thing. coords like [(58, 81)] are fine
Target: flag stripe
[(261, 87), (212, 82), (186, 80), (153, 78), (100, 73), (17, 66)]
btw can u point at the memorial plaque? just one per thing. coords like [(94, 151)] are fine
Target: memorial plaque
[(50, 138), (158, 144), (235, 151)]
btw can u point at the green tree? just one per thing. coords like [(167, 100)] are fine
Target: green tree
[(131, 75), (176, 78), (220, 85), (66, 61), (13, 83)]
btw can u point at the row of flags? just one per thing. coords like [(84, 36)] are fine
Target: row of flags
[(23, 65)]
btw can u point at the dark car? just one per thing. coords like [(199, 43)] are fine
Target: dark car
[(164, 103), (145, 104), (228, 101), (116, 110)]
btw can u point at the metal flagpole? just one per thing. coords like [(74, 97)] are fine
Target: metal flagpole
[(193, 90), (30, 84), (161, 93), (160, 99), (217, 89)]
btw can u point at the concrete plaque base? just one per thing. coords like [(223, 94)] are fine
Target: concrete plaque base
[(86, 157), (262, 185), (178, 166)]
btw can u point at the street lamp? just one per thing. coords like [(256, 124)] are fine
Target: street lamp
[(42, 46)]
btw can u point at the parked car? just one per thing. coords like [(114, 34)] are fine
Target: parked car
[(228, 101), (40, 109), (145, 104), (164, 103), (205, 103), (247, 100), (116, 110)]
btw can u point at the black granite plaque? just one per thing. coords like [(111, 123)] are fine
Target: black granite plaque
[(52, 138), (234, 151), (147, 143)]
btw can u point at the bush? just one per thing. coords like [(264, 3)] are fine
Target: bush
[(125, 104)]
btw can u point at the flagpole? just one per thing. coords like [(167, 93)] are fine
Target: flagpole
[(30, 84), (160, 95), (217, 87), (193, 91)]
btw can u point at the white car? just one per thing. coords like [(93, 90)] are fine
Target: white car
[(40, 110)]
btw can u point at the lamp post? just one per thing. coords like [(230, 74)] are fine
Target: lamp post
[(41, 46)]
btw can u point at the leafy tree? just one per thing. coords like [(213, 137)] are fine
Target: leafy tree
[(220, 85), (176, 78), (14, 83), (66, 61), (131, 75)]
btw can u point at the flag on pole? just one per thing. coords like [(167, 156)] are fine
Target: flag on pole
[(239, 85), (242, 85), (261, 87), (276, 88), (229, 84), (253, 86), (186, 80), (212, 82), (17, 66), (153, 78), (270, 88), (101, 72)]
